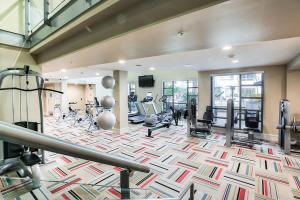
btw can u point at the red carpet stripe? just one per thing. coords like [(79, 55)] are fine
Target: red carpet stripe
[(65, 185), (182, 177)]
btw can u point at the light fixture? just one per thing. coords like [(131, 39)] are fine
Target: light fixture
[(188, 65), (226, 48), (97, 74), (235, 61), (121, 61), (152, 68), (66, 77), (180, 33), (63, 70)]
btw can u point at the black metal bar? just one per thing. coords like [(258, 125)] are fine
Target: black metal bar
[(155, 128), (240, 101), (259, 98), (211, 91), (192, 194), (124, 184), (31, 90), (46, 12), (262, 101), (251, 85), (243, 109)]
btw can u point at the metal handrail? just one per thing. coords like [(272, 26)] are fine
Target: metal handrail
[(19, 135)]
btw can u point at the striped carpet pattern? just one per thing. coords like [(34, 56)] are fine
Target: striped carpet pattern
[(175, 159)]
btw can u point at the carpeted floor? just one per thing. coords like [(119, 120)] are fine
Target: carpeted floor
[(175, 160)]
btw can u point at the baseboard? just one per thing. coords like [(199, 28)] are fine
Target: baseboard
[(122, 130)]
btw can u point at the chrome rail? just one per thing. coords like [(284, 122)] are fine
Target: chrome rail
[(19, 135), (22, 136)]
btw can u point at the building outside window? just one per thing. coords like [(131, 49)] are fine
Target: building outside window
[(246, 90), (179, 92), (131, 87)]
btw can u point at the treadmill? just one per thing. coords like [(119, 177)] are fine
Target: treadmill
[(132, 107), (140, 118)]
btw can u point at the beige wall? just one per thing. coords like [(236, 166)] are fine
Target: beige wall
[(76, 93), (12, 15), (159, 77), (51, 98), (90, 92), (10, 57), (274, 90), (293, 92)]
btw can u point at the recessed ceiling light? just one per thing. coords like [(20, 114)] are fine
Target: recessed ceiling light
[(152, 68), (97, 74), (63, 70), (235, 61), (121, 61), (188, 65), (66, 77), (180, 33), (226, 48)]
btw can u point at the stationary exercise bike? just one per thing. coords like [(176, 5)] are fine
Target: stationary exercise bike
[(88, 114), (98, 106)]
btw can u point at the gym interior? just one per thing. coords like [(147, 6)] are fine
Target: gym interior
[(160, 99)]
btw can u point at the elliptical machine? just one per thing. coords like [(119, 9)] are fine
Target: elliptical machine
[(164, 119)]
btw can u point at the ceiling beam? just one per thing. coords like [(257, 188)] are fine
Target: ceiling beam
[(294, 64), (13, 39), (118, 20), (58, 22)]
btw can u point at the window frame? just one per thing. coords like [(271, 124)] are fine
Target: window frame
[(240, 109), (130, 88), (172, 88)]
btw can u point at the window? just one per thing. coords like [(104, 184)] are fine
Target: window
[(179, 92), (246, 90), (131, 87)]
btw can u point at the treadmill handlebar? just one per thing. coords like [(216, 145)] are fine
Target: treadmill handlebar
[(19, 135)]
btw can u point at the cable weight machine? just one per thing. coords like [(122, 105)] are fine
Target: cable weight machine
[(19, 157)]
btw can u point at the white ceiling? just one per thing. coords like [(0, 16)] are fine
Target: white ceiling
[(79, 75), (256, 54), (264, 32)]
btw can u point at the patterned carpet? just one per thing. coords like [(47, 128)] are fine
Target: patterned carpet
[(175, 160)]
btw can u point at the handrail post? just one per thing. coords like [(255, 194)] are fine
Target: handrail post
[(124, 184), (192, 192)]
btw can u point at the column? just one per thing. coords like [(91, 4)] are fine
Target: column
[(64, 97), (120, 93)]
